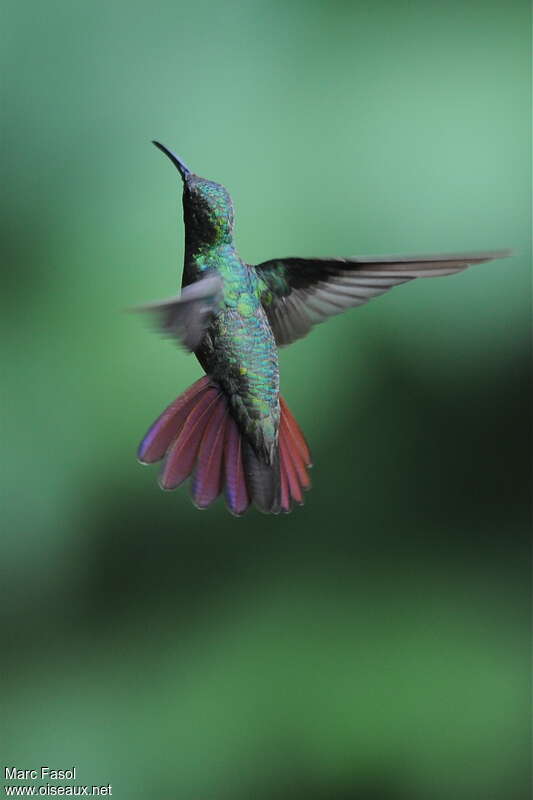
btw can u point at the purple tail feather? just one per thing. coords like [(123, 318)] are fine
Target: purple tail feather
[(197, 435)]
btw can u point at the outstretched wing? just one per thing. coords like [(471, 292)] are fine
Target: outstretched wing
[(298, 293), (186, 316)]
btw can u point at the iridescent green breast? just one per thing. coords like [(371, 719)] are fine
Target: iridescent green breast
[(241, 353)]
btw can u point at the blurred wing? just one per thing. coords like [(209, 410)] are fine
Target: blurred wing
[(186, 316), (298, 293)]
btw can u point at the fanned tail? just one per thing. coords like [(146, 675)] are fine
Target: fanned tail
[(197, 435)]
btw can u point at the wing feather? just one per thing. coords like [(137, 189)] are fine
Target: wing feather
[(298, 293), (186, 317)]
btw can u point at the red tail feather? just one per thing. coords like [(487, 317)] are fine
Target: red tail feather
[(207, 483), (197, 432), (297, 434), (237, 496), (295, 459), (182, 454), (166, 427), (294, 453), (285, 497), (292, 479)]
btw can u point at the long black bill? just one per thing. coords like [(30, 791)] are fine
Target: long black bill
[(183, 169)]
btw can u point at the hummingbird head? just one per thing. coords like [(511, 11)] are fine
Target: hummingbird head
[(207, 206)]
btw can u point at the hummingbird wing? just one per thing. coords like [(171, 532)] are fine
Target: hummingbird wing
[(186, 316), (298, 293)]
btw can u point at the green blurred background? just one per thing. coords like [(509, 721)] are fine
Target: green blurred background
[(373, 644)]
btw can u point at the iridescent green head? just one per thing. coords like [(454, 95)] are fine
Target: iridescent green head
[(207, 206)]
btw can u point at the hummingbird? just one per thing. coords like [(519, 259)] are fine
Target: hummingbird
[(232, 430)]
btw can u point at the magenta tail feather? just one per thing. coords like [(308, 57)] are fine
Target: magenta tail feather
[(207, 481), (237, 497), (166, 427), (197, 435), (181, 457)]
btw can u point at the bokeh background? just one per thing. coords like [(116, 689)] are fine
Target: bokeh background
[(375, 643)]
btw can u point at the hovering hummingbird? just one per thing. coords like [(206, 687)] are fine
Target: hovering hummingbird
[(232, 429)]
